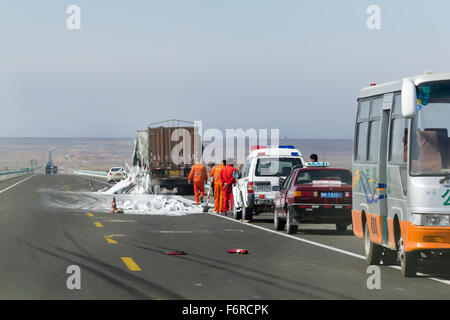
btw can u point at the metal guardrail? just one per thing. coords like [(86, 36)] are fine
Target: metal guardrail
[(5, 175), (90, 173)]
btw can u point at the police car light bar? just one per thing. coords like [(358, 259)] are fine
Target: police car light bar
[(253, 148), (317, 164), (286, 147)]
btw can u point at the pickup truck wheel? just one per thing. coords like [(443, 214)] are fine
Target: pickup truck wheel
[(247, 213), (278, 223), (237, 214), (372, 251)]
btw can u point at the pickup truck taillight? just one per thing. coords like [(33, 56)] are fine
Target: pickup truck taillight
[(250, 187)]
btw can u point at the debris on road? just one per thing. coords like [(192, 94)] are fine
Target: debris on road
[(239, 251), (176, 253)]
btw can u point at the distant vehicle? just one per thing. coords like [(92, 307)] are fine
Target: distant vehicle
[(401, 167), (155, 150), (50, 167), (116, 174), (314, 194), (258, 182)]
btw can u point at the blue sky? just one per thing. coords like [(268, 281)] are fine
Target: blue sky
[(292, 65)]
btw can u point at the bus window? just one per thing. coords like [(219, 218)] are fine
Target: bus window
[(363, 110), (361, 138), (398, 141), (374, 129), (361, 130), (430, 134)]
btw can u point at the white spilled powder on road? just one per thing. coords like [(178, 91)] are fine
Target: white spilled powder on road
[(150, 204), (157, 204)]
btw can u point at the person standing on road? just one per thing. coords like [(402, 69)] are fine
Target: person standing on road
[(218, 187), (199, 178), (227, 178), (211, 166)]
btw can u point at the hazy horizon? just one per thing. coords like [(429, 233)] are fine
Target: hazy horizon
[(293, 65)]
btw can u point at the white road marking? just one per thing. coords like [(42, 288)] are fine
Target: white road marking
[(447, 282), (15, 184), (88, 178)]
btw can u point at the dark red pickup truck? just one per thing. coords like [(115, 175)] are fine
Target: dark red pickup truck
[(314, 195)]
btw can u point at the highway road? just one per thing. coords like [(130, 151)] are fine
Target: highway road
[(122, 256)]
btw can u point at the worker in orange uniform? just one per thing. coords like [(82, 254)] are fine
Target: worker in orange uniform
[(227, 178), (218, 192), (199, 178)]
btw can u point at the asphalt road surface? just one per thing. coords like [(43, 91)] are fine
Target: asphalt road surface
[(122, 256)]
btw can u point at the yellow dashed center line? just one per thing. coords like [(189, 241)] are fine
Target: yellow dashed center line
[(110, 239), (98, 224), (89, 214), (131, 265)]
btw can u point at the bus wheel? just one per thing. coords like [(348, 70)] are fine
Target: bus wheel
[(372, 250), (408, 260), (389, 257)]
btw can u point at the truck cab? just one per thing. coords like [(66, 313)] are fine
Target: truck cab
[(258, 182)]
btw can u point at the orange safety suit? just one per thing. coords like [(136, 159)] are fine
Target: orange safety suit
[(198, 177), (218, 192), (226, 176)]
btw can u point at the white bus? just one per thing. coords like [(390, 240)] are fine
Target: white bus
[(401, 171)]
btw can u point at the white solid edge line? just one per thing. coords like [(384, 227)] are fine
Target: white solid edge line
[(15, 184), (447, 282)]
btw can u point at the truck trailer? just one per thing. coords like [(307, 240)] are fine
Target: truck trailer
[(166, 150)]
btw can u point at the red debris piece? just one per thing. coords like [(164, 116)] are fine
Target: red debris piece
[(176, 253), (240, 251)]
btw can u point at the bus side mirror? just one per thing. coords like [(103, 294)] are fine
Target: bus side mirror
[(409, 99)]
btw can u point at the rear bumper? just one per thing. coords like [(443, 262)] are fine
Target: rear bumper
[(321, 214), (254, 200), (426, 238)]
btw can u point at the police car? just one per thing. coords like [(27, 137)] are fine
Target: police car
[(314, 194), (258, 182)]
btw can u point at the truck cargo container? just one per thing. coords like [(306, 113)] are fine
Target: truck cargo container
[(166, 150)]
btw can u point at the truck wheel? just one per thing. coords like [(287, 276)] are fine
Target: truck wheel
[(278, 223), (237, 214), (389, 257), (408, 261), (247, 213), (372, 251), (341, 226)]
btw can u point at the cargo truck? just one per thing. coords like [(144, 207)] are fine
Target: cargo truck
[(50, 168), (166, 150)]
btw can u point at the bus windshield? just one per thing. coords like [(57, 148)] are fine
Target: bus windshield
[(430, 140)]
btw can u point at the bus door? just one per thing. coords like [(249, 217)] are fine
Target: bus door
[(381, 191)]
